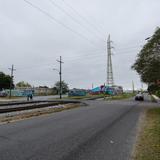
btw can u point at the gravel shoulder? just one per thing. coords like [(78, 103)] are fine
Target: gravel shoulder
[(26, 114)]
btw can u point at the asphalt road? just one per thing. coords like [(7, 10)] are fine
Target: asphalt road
[(100, 131)]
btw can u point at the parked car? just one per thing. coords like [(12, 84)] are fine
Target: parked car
[(3, 94), (139, 97)]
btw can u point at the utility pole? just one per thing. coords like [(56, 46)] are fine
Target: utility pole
[(110, 80), (142, 86), (133, 86), (10, 88), (92, 85), (60, 77)]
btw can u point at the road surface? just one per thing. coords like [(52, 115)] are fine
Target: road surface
[(99, 131)]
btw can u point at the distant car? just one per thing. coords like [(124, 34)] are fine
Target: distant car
[(139, 97)]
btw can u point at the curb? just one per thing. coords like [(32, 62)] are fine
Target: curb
[(157, 99)]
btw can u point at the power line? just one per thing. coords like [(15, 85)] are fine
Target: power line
[(82, 17), (98, 54), (94, 56), (74, 19), (75, 58), (101, 52), (89, 57), (57, 21), (125, 48), (118, 52)]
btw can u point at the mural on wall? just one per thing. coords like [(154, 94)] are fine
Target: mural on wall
[(20, 93)]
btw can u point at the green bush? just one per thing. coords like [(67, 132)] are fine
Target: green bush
[(158, 93), (153, 88)]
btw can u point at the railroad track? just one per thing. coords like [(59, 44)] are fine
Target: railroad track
[(20, 106)]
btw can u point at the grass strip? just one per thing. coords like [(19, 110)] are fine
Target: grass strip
[(148, 145)]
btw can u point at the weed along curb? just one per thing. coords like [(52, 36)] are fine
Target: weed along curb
[(28, 106), (148, 146)]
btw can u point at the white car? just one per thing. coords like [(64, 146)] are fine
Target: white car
[(3, 94)]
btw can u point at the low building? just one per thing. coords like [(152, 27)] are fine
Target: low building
[(36, 91), (110, 90), (77, 92)]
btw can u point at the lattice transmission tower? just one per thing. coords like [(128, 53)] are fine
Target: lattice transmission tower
[(110, 80)]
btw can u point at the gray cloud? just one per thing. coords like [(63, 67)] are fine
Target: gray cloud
[(32, 41)]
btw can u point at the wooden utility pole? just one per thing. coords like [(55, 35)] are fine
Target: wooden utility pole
[(133, 86), (11, 82), (60, 77)]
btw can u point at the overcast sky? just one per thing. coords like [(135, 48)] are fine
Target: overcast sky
[(77, 30)]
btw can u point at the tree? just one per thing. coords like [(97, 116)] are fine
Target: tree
[(5, 81), (147, 63), (23, 84), (65, 87), (43, 87)]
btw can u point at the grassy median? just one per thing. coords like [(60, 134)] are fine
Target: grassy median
[(148, 145), (108, 97)]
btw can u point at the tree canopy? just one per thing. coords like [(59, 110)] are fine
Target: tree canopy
[(65, 87), (5, 81), (23, 84), (147, 63)]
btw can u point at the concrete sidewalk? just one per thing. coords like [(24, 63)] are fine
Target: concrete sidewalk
[(157, 99), (12, 100)]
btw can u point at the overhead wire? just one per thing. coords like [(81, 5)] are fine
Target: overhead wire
[(74, 59), (53, 18), (82, 17), (127, 47), (74, 19), (57, 21), (80, 57), (87, 57)]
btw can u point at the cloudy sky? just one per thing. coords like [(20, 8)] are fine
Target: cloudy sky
[(34, 33)]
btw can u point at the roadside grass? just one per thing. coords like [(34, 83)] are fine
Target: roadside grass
[(121, 96), (106, 97), (148, 145)]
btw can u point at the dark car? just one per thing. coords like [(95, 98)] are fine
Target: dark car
[(139, 97)]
